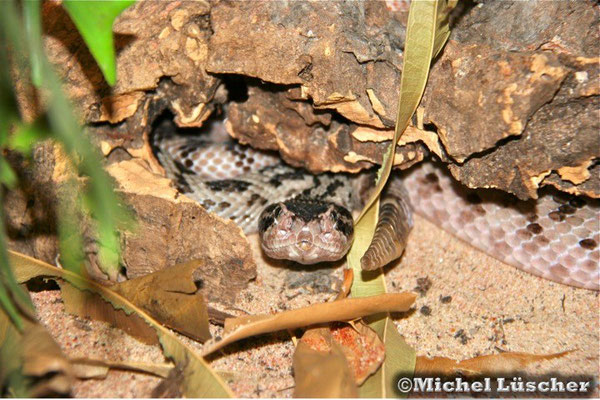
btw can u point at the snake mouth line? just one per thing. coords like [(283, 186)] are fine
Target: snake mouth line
[(313, 245)]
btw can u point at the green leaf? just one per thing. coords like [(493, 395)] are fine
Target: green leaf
[(400, 361), (26, 136), (13, 299), (7, 175), (99, 195), (94, 20), (199, 380), (33, 29), (427, 31)]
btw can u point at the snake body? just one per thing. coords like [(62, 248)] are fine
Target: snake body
[(555, 237)]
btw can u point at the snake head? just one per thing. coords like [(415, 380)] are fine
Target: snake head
[(305, 230)]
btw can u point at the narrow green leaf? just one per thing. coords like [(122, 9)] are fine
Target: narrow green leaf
[(13, 299), (101, 199), (33, 28), (425, 18), (26, 136), (365, 283), (7, 175), (427, 31), (94, 20)]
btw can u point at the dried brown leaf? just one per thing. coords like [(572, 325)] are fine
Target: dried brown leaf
[(491, 364), (90, 368), (340, 310), (320, 367), (90, 305), (171, 297), (35, 355)]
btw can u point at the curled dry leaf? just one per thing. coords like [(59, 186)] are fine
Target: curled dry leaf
[(488, 365), (171, 297), (321, 368), (340, 310)]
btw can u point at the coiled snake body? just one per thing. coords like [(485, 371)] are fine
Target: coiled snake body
[(307, 218)]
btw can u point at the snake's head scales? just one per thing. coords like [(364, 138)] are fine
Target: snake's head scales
[(305, 230)]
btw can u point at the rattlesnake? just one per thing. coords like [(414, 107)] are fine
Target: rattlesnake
[(307, 218)]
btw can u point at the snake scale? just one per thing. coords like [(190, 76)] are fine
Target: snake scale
[(307, 218)]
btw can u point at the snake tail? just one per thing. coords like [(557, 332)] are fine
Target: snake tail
[(392, 229)]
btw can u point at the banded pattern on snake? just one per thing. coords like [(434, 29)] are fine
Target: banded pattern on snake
[(555, 237)]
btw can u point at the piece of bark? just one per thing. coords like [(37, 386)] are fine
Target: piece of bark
[(277, 120), (302, 44), (172, 229)]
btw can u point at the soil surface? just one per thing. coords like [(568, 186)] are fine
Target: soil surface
[(469, 304)]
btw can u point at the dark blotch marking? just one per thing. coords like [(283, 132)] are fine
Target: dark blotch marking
[(182, 185), (224, 205), (473, 198), (577, 202), (445, 299), (556, 216), (532, 217), (253, 199), (228, 185), (268, 216), (535, 228), (239, 164), (541, 241), (306, 208), (250, 160), (432, 178), (589, 244), (479, 210), (188, 163), (566, 209), (208, 203), (242, 156), (182, 168), (332, 187), (343, 220), (425, 310), (278, 179), (560, 198), (524, 234)]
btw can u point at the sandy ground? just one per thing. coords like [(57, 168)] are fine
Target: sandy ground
[(468, 305)]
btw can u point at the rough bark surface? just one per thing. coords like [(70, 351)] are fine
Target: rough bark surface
[(320, 75)]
